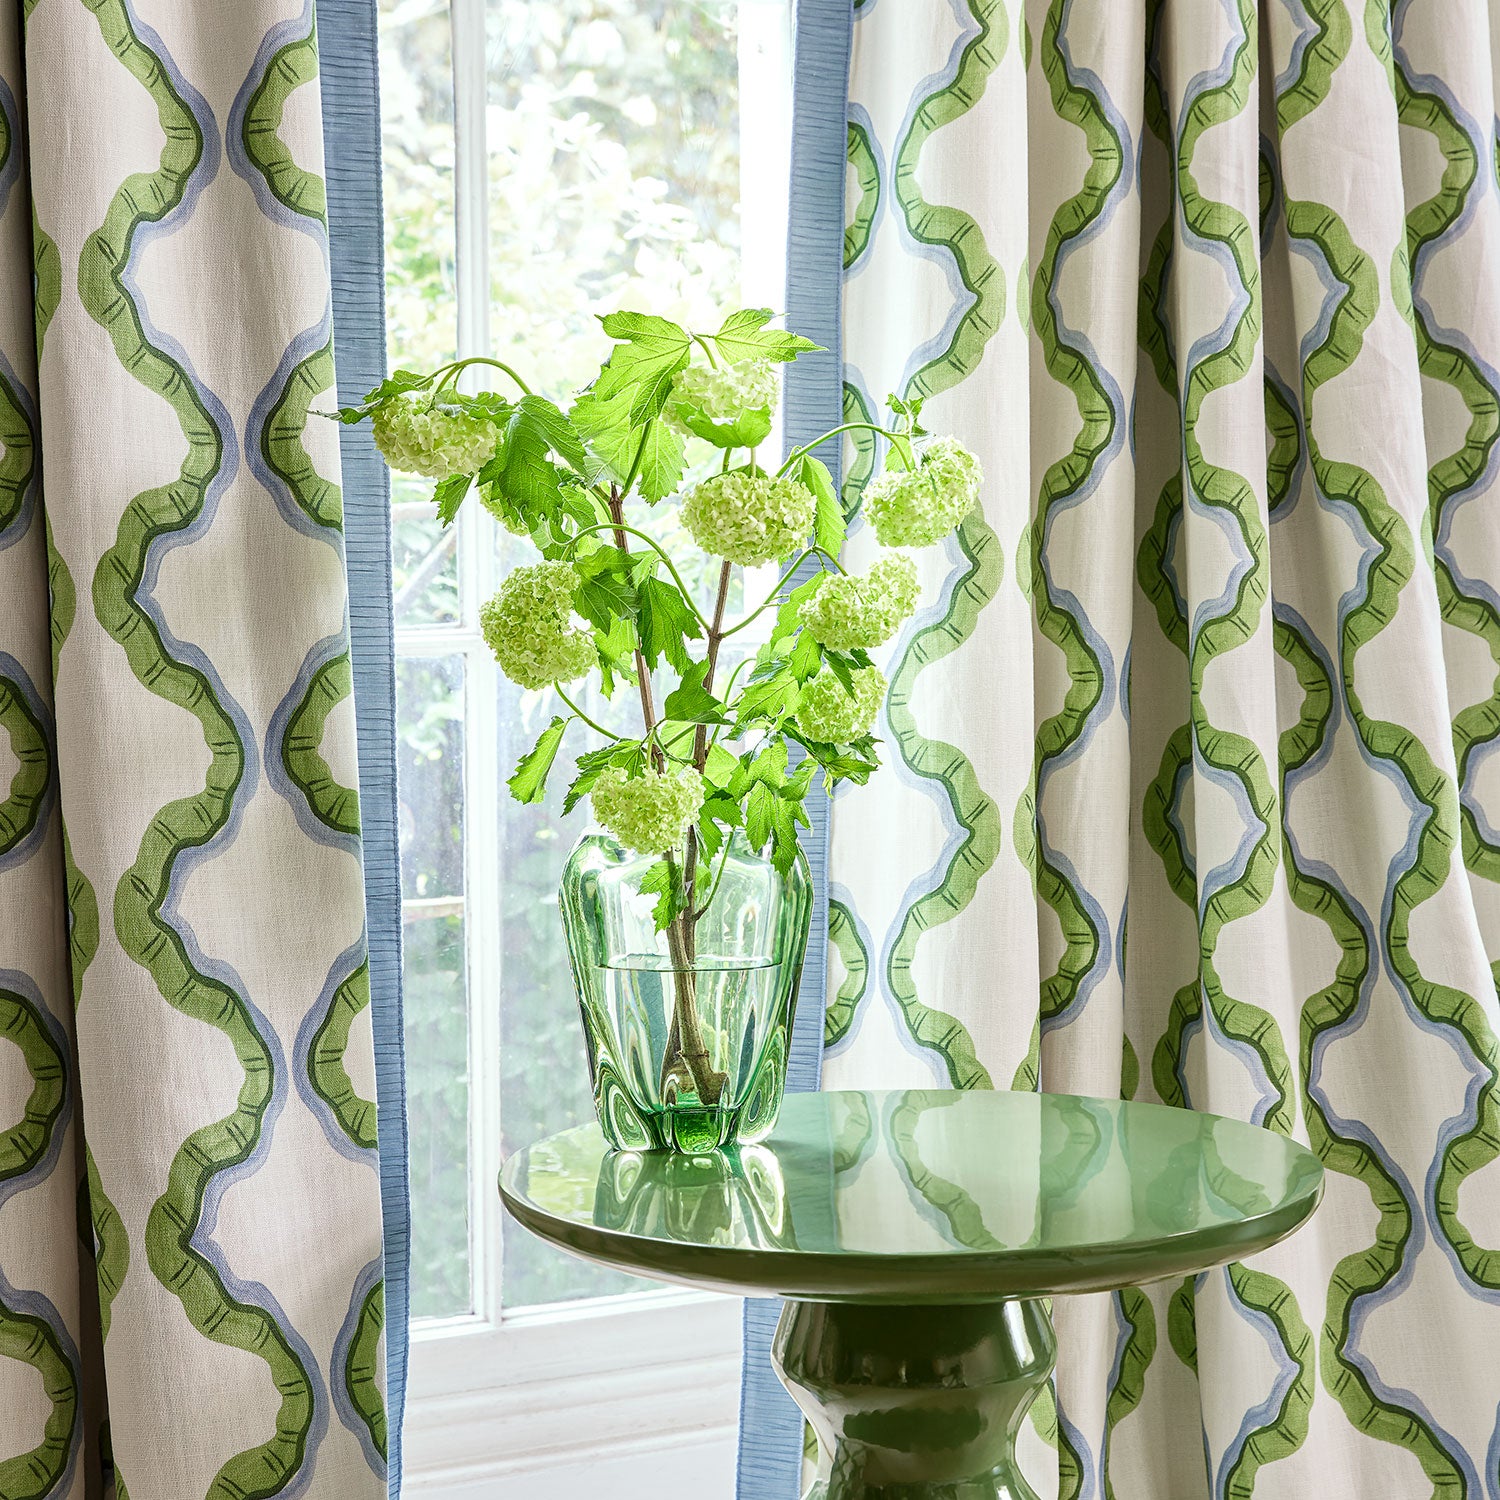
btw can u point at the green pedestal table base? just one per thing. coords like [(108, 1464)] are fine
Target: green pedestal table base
[(916, 1403)]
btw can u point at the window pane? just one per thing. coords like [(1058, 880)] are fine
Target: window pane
[(416, 102), (430, 707), (544, 1083), (614, 171)]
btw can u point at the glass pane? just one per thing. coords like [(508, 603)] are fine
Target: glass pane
[(416, 102), (544, 1083), (429, 710), (614, 171)]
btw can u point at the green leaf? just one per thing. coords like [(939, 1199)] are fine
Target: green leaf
[(691, 701), (760, 812), (745, 336), (665, 880), (663, 458), (750, 428), (522, 470), (529, 781), (652, 352), (665, 623), (805, 659), (769, 766), (623, 753), (449, 495), (829, 526), (720, 768), (606, 587)]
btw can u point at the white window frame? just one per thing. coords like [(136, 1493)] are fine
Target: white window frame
[(513, 1404)]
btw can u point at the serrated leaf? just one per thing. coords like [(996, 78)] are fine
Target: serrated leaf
[(759, 815), (720, 767), (665, 623), (691, 701), (663, 458), (664, 879), (528, 783), (449, 495), (769, 766), (606, 590), (749, 429), (829, 525), (744, 335), (522, 470), (805, 658), (652, 352)]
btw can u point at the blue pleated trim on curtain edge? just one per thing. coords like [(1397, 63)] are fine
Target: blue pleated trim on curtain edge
[(349, 69), (770, 1459)]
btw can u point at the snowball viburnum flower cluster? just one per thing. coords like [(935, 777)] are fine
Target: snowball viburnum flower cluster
[(421, 439), (648, 812), (831, 716), (529, 626), (721, 394), (748, 518), (916, 507), (849, 613)]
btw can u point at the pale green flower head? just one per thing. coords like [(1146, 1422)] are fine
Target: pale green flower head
[(848, 612), (529, 626), (729, 405), (649, 812), (747, 518), (831, 716), (426, 440), (916, 507)]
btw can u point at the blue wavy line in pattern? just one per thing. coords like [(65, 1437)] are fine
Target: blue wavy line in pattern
[(310, 339), (201, 1242), (1307, 29), (954, 832), (32, 1303), (1261, 1416), (363, 1283), (845, 897), (1079, 343), (327, 650), (11, 171), (20, 524), (860, 116), (940, 255), (20, 853), (343, 966), (1370, 1302)]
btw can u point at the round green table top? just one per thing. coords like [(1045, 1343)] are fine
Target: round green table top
[(926, 1196)]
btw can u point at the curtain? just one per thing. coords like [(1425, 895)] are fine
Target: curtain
[(1192, 793), (191, 1277)]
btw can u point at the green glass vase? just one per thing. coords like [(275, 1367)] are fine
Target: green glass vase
[(687, 1029)]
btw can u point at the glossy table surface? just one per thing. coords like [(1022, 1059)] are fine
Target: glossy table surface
[(928, 1196)]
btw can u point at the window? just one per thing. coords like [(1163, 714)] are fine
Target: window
[(545, 161)]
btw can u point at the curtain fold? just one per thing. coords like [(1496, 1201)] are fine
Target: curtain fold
[(191, 1259), (1192, 794)]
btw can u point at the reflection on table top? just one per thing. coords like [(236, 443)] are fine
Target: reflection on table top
[(927, 1195)]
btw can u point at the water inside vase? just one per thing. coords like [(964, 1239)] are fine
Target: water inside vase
[(734, 1000)]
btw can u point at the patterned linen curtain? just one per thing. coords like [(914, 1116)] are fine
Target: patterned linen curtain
[(1194, 795), (190, 1217)]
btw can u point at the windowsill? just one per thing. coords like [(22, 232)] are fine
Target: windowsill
[(562, 1394)]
